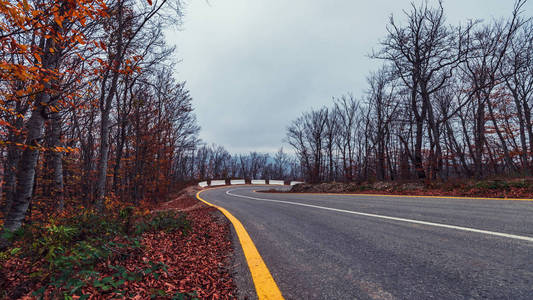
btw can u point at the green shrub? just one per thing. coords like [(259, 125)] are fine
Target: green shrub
[(164, 221), (68, 249), (522, 184), (493, 185)]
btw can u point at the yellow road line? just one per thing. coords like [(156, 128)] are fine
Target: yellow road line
[(265, 286), (410, 196)]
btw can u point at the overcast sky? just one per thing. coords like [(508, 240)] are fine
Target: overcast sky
[(252, 66)]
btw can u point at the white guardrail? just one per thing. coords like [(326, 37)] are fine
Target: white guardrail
[(204, 184), (217, 182), (276, 182)]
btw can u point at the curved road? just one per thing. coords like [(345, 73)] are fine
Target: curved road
[(386, 247)]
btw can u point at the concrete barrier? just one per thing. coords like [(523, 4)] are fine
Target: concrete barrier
[(276, 182), (237, 181), (218, 182), (258, 181), (203, 184), (296, 182)]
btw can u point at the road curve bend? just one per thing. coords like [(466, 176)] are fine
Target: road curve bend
[(387, 247)]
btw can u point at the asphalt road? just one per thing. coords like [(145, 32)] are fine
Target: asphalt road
[(369, 247)]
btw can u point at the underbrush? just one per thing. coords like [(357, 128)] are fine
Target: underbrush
[(504, 184), (495, 188), (70, 256)]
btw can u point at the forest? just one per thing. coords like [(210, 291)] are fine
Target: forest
[(97, 131), (91, 112), (92, 123), (448, 101)]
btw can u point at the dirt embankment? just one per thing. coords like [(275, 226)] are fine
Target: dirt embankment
[(184, 200), (495, 188)]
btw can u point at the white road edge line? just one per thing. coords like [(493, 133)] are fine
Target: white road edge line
[(511, 236)]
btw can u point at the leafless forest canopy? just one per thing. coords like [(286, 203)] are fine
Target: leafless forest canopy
[(449, 101), (92, 114)]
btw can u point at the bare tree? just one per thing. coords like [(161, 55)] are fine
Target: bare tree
[(424, 53), (383, 103), (517, 72), (488, 47), (347, 110), (281, 161)]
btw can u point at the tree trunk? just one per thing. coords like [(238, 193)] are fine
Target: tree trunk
[(106, 99), (419, 120), (104, 157), (479, 139), (57, 161), (506, 154), (34, 138), (26, 167), (529, 127), (10, 167)]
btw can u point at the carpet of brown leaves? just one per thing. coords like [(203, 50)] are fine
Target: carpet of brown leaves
[(198, 262)]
